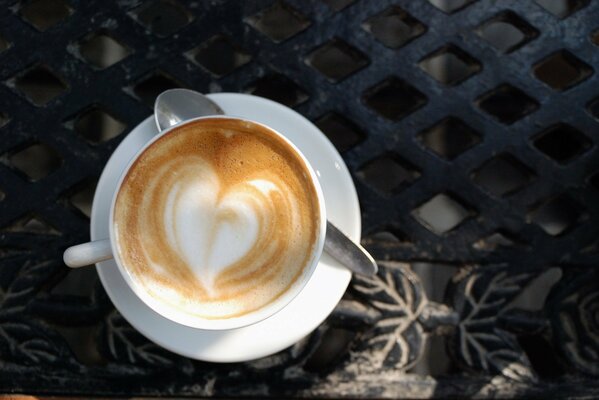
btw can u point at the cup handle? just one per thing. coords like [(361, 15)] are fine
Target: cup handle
[(87, 253)]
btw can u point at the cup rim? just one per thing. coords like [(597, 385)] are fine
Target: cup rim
[(253, 317)]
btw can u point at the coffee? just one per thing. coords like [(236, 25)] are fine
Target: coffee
[(218, 218)]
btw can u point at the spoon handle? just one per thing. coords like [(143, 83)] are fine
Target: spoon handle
[(352, 255)]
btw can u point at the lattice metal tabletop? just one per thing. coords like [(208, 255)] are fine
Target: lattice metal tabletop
[(470, 128)]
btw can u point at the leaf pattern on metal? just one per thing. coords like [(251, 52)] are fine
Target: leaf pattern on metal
[(22, 339), (480, 296), (121, 343), (396, 293), (574, 312), (29, 343)]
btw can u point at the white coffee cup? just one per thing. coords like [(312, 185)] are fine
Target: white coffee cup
[(101, 250)]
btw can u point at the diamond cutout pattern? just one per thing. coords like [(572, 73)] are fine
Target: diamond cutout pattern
[(507, 104), (394, 27), (507, 32), (389, 233), (278, 88), (97, 125), (562, 8), (36, 161), (562, 70), (388, 173), (4, 45), (594, 180), (44, 14), (394, 99), (162, 17), (338, 5), (595, 37), (4, 119), (557, 215), (342, 132), (389, 85), (279, 22), (102, 50), (32, 224), (450, 65), (150, 87), (449, 138), (502, 175), (450, 6), (219, 55), (593, 108), (494, 241), (83, 195), (40, 85), (563, 143), (337, 60), (441, 214)]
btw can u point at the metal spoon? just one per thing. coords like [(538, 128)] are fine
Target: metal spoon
[(177, 105)]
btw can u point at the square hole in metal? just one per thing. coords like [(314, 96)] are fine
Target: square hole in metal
[(450, 6), (102, 50), (278, 88), (507, 31), (561, 70), (595, 37), (441, 213), (278, 22), (387, 173), (4, 45), (502, 175), (341, 131), (449, 138), (336, 60), (394, 98), (562, 142), (333, 347), (162, 17), (97, 125), (35, 161), (4, 119), (338, 5), (450, 65), (32, 223), (593, 108), (44, 14), (82, 196), (507, 103), (40, 85), (562, 8), (150, 87), (394, 27), (495, 240), (557, 215), (594, 180), (388, 233), (219, 55)]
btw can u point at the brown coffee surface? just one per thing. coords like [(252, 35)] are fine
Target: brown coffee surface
[(218, 218)]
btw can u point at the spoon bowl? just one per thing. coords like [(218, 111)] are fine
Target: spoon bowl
[(174, 106)]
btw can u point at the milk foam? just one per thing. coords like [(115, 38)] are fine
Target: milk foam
[(217, 219)]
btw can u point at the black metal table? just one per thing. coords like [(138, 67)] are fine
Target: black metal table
[(470, 128)]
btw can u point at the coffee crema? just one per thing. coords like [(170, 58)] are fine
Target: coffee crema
[(218, 218)]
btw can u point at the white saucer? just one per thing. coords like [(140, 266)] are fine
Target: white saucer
[(306, 311)]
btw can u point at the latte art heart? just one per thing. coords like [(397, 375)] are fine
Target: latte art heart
[(201, 225), (217, 219)]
